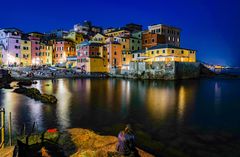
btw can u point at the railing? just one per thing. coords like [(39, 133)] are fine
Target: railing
[(2, 128)]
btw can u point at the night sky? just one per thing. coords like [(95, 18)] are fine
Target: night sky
[(210, 26)]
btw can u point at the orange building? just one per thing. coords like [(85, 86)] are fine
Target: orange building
[(45, 54), (114, 51), (63, 48), (152, 39)]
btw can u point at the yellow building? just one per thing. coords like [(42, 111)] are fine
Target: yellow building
[(96, 64), (26, 56), (165, 52), (75, 37), (100, 38), (118, 33)]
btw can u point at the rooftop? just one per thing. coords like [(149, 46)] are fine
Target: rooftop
[(164, 26), (162, 46)]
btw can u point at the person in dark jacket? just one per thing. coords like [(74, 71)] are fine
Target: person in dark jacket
[(126, 142)]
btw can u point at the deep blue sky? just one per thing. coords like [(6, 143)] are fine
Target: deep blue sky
[(210, 26)]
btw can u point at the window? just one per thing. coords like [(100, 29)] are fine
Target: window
[(153, 40), (145, 41), (152, 52), (138, 55), (124, 46), (17, 55), (115, 53), (133, 56), (172, 51), (124, 59), (182, 52), (132, 41), (163, 51), (138, 48), (16, 41), (133, 48), (157, 51), (25, 42), (61, 55)]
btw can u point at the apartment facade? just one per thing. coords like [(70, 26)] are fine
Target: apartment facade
[(63, 48), (10, 40), (152, 39), (172, 34), (35, 49), (26, 55), (46, 53), (92, 57), (167, 52)]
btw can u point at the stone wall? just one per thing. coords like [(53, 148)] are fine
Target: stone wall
[(164, 70)]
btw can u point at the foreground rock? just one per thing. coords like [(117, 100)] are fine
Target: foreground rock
[(36, 94), (85, 143), (26, 83), (7, 152)]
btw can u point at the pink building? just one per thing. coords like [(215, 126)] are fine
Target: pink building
[(35, 50), (10, 40)]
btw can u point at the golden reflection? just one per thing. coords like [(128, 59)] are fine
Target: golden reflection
[(181, 102), (159, 100), (64, 96), (125, 95)]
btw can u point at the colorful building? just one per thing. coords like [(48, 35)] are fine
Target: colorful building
[(172, 34), (100, 38), (92, 57), (63, 48), (118, 33), (45, 54), (75, 37), (114, 51), (152, 39), (26, 55), (166, 52), (35, 49), (10, 39)]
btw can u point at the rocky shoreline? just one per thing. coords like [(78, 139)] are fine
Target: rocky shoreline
[(76, 142), (36, 95)]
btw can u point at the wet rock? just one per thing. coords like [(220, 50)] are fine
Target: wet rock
[(36, 94), (25, 83), (87, 143)]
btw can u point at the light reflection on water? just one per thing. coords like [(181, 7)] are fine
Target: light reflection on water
[(97, 103)]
